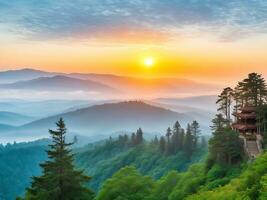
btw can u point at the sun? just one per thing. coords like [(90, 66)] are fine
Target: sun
[(149, 62)]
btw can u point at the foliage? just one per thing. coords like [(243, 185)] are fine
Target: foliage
[(165, 186), (18, 163), (225, 147), (177, 139), (225, 101), (59, 179), (105, 160), (251, 184), (126, 184)]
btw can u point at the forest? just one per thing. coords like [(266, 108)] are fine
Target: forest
[(180, 164), (225, 173)]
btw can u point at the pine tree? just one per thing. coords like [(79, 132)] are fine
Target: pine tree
[(139, 136), (168, 134), (203, 142), (252, 90), (60, 180), (175, 142), (225, 146), (195, 128), (168, 148), (177, 138), (219, 123), (225, 102), (133, 139), (156, 140), (181, 139), (162, 144), (189, 142)]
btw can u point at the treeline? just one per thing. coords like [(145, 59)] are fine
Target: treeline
[(219, 182), (177, 139), (126, 141), (251, 91), (61, 180), (225, 146), (15, 145), (173, 141), (223, 175)]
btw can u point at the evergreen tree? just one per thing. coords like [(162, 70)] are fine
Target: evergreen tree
[(177, 138), (175, 142), (219, 123), (203, 142), (168, 134), (60, 180), (168, 148), (133, 139), (139, 136), (225, 146), (189, 142), (156, 140), (252, 90), (162, 144), (177, 127), (181, 139), (195, 128), (225, 102)]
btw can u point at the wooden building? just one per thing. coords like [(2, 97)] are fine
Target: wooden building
[(246, 124)]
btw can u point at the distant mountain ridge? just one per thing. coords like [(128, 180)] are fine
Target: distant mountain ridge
[(59, 82), (155, 85), (125, 84), (14, 119), (106, 119), (12, 76)]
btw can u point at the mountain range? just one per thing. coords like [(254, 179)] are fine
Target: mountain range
[(31, 79), (58, 83), (103, 120), (10, 118), (12, 76)]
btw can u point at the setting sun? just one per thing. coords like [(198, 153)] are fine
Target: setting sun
[(149, 62)]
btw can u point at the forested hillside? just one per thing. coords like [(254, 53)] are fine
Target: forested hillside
[(228, 172), (154, 158), (219, 182), (19, 162), (179, 164)]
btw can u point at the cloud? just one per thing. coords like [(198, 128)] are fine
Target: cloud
[(48, 19)]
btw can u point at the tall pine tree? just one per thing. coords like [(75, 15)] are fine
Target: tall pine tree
[(195, 128), (189, 142), (60, 180)]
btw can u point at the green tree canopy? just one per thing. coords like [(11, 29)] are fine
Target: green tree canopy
[(126, 184), (60, 180)]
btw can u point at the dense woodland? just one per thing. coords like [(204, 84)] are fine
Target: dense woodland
[(60, 179), (224, 174), (100, 160), (130, 168)]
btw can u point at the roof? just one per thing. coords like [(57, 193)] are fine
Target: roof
[(246, 115), (249, 109), (244, 127)]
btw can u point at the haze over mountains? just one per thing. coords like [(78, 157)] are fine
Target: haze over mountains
[(12, 76), (29, 79), (97, 105), (58, 83), (105, 119), (10, 118)]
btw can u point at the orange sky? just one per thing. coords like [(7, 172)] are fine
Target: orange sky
[(202, 59), (203, 40)]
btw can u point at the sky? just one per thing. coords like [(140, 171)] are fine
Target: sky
[(209, 40)]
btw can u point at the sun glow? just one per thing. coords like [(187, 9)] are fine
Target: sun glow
[(149, 62)]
